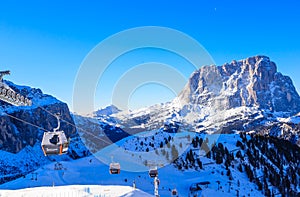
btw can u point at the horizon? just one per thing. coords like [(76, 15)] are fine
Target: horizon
[(42, 40)]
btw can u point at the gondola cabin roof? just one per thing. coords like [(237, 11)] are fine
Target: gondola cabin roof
[(114, 166)]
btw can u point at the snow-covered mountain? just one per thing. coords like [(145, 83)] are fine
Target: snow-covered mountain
[(237, 96), (253, 82), (109, 110)]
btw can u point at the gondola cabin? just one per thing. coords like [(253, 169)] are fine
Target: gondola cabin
[(55, 143), (114, 168), (174, 192), (153, 172)]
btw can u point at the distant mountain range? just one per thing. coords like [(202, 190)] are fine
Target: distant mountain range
[(246, 95)]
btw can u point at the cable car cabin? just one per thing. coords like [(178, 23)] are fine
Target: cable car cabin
[(174, 192), (55, 143), (114, 168), (153, 172)]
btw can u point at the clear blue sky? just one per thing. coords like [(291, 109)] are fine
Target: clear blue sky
[(44, 42)]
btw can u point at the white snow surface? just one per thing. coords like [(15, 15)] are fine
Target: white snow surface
[(294, 119), (76, 190)]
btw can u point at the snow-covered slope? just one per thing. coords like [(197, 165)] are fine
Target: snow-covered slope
[(76, 190), (90, 171), (222, 172), (293, 119)]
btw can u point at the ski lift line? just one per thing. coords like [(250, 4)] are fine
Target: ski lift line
[(51, 131), (107, 142), (41, 128), (26, 122)]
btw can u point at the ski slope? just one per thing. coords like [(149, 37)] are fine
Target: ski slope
[(90, 177), (76, 190)]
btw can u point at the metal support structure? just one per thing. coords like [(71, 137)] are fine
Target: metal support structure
[(156, 184), (8, 95), (58, 122)]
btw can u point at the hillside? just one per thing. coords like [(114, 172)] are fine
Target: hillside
[(239, 163)]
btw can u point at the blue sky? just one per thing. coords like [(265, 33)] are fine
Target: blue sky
[(43, 43)]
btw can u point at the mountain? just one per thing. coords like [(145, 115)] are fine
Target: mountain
[(97, 133), (245, 95), (109, 110), (253, 82), (22, 128)]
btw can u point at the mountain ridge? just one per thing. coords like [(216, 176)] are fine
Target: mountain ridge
[(243, 95), (249, 82)]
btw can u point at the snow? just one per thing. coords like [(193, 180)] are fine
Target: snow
[(294, 119), (107, 111), (76, 190), (90, 176)]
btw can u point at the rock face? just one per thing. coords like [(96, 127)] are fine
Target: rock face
[(98, 134), (21, 132), (247, 95), (253, 82), (16, 123)]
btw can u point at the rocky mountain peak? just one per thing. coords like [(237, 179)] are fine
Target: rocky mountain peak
[(252, 82), (109, 110)]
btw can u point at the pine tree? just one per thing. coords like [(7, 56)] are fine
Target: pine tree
[(219, 158), (229, 174), (240, 167), (161, 144), (194, 143)]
